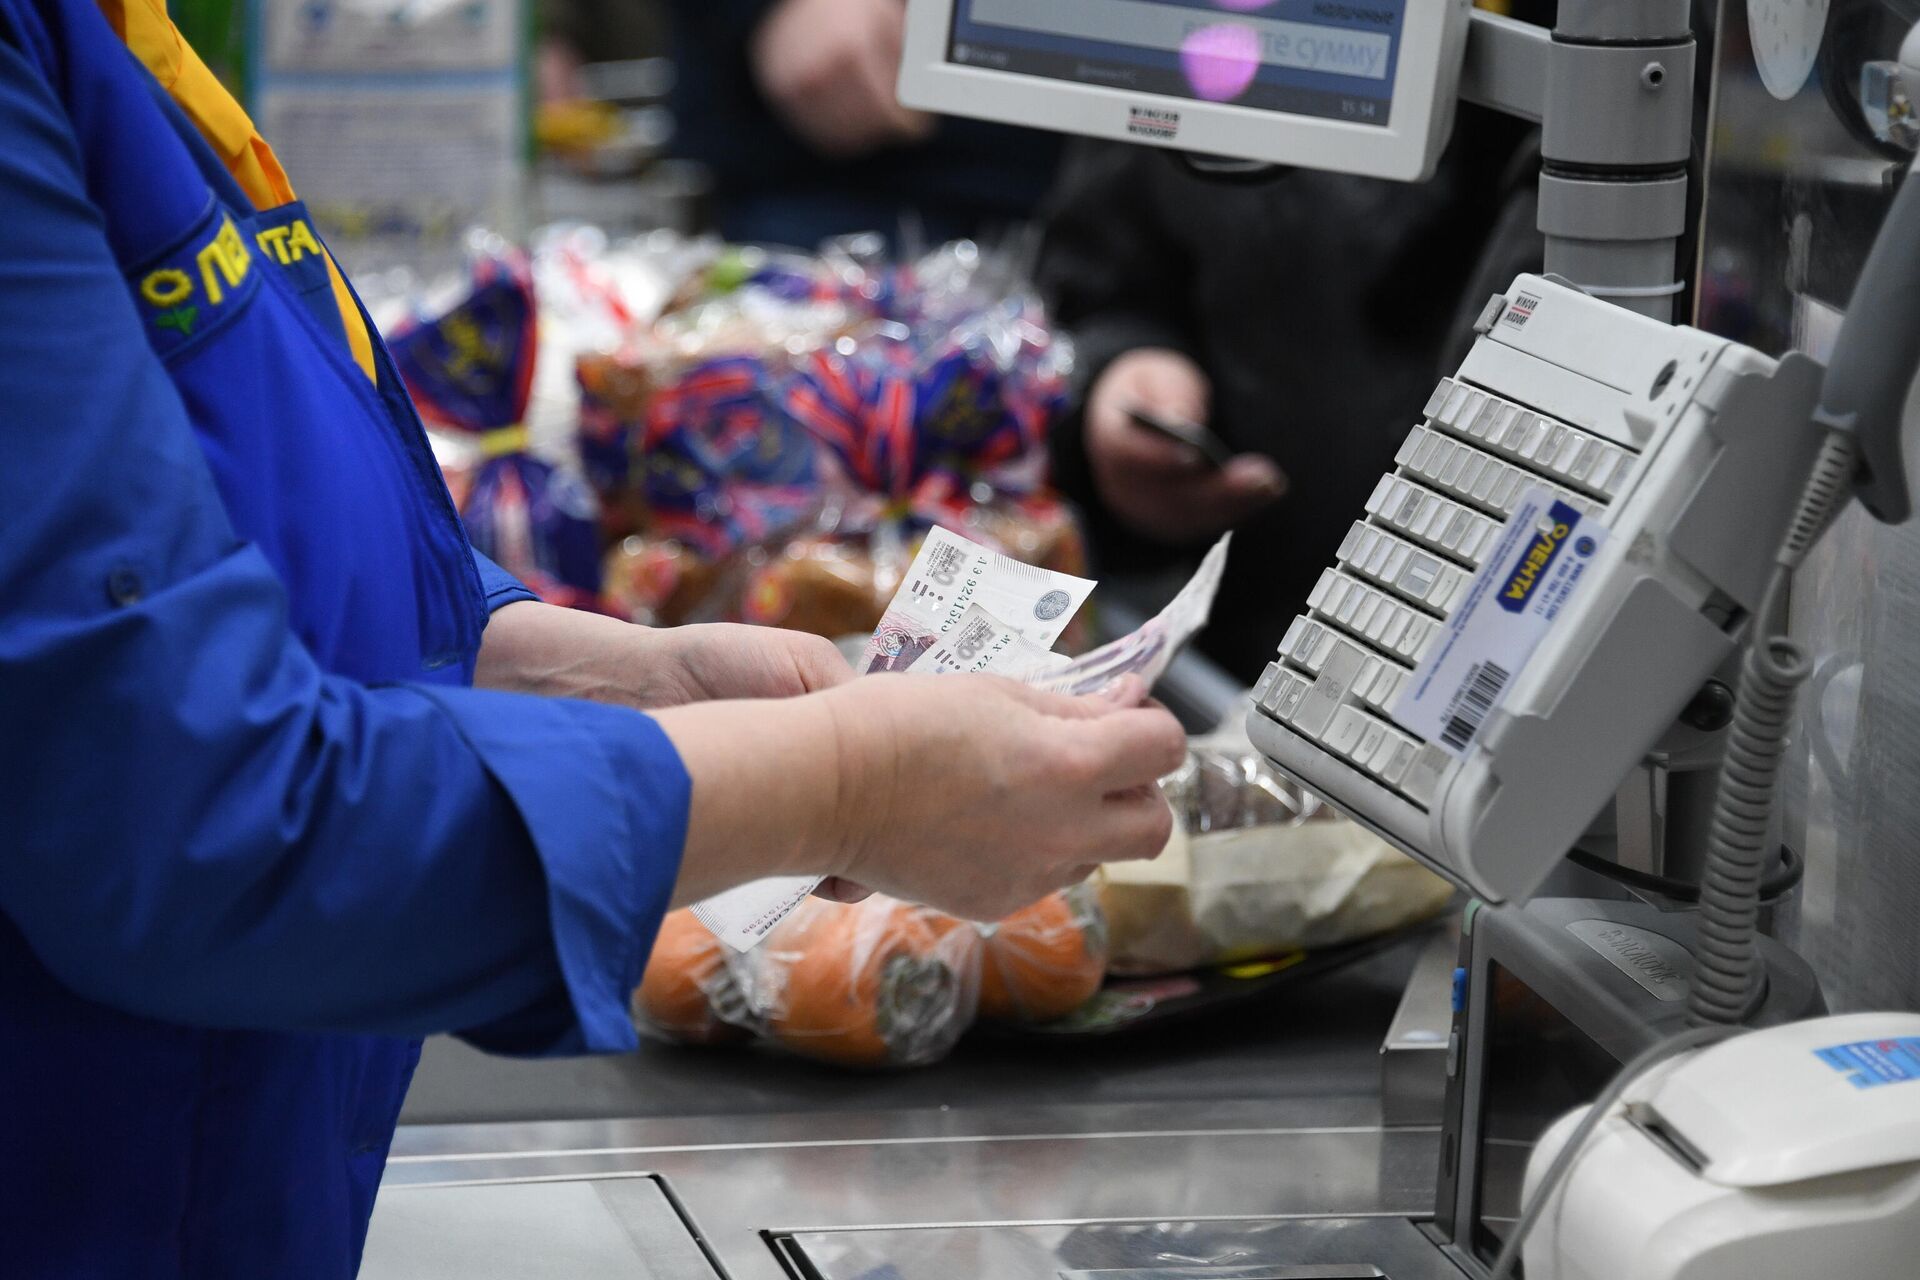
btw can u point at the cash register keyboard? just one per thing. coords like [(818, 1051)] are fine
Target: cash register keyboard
[(1402, 568)]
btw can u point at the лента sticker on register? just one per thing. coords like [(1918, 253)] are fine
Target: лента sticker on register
[(1541, 559)]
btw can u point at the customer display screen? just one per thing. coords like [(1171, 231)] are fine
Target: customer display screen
[(1329, 58), (1539, 1066)]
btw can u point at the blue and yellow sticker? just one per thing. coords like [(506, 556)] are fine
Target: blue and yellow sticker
[(1531, 569), (199, 287)]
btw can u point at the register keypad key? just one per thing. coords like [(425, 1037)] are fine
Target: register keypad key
[(1401, 571)]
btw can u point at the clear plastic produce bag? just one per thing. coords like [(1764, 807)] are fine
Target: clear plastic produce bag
[(1256, 867), (879, 983)]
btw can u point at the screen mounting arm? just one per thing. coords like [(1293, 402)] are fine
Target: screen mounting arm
[(1612, 88)]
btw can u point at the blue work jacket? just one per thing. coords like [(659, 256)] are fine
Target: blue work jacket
[(257, 835)]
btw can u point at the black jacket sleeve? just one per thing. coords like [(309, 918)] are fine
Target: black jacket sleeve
[(1117, 281), (729, 21)]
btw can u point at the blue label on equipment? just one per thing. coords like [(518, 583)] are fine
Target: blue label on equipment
[(1539, 555), (1871, 1063)]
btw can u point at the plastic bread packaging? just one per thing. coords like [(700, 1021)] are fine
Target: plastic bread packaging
[(875, 984), (801, 423), (817, 583), (657, 582), (837, 574), (653, 387), (1255, 867), (469, 367)]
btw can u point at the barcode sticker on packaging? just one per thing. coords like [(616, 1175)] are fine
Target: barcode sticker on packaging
[(1543, 555)]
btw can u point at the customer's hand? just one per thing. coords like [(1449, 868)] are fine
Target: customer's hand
[(1157, 486), (537, 648), (828, 68)]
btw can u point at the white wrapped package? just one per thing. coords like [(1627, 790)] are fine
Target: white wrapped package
[(1256, 868)]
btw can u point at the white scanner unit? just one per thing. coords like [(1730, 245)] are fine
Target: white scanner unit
[(1790, 1151)]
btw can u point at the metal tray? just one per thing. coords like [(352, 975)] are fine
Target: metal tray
[(1147, 1006)]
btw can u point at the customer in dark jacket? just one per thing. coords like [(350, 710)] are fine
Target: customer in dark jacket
[(792, 105), (1304, 318)]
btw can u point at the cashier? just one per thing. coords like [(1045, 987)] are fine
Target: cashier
[(259, 829)]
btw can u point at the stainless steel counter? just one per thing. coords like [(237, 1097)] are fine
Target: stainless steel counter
[(1243, 1151), (905, 1182)]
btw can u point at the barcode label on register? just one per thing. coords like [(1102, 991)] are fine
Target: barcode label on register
[(1541, 558), (1484, 686)]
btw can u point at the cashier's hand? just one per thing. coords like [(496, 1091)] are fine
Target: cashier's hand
[(972, 794), (1157, 486), (710, 661), (828, 68), (538, 648), (977, 795)]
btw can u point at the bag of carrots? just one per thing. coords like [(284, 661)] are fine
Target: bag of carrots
[(880, 983)]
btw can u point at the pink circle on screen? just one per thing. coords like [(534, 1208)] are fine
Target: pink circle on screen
[(1220, 60)]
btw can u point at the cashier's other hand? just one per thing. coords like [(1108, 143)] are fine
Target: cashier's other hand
[(828, 69), (530, 647), (978, 796), (1157, 486), (708, 661)]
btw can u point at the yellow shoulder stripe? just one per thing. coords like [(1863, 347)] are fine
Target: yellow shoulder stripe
[(359, 341), (225, 125)]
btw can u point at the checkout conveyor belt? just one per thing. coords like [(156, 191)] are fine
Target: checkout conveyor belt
[(1255, 1138)]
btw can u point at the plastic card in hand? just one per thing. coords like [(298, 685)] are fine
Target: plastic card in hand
[(1207, 446)]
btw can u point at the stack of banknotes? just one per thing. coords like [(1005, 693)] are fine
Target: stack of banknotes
[(965, 609)]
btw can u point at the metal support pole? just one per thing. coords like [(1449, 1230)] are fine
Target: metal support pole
[(1612, 87)]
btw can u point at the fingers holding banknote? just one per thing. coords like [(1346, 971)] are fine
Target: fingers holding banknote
[(977, 795), (1138, 806)]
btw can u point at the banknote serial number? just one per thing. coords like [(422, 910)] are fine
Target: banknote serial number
[(944, 565)]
